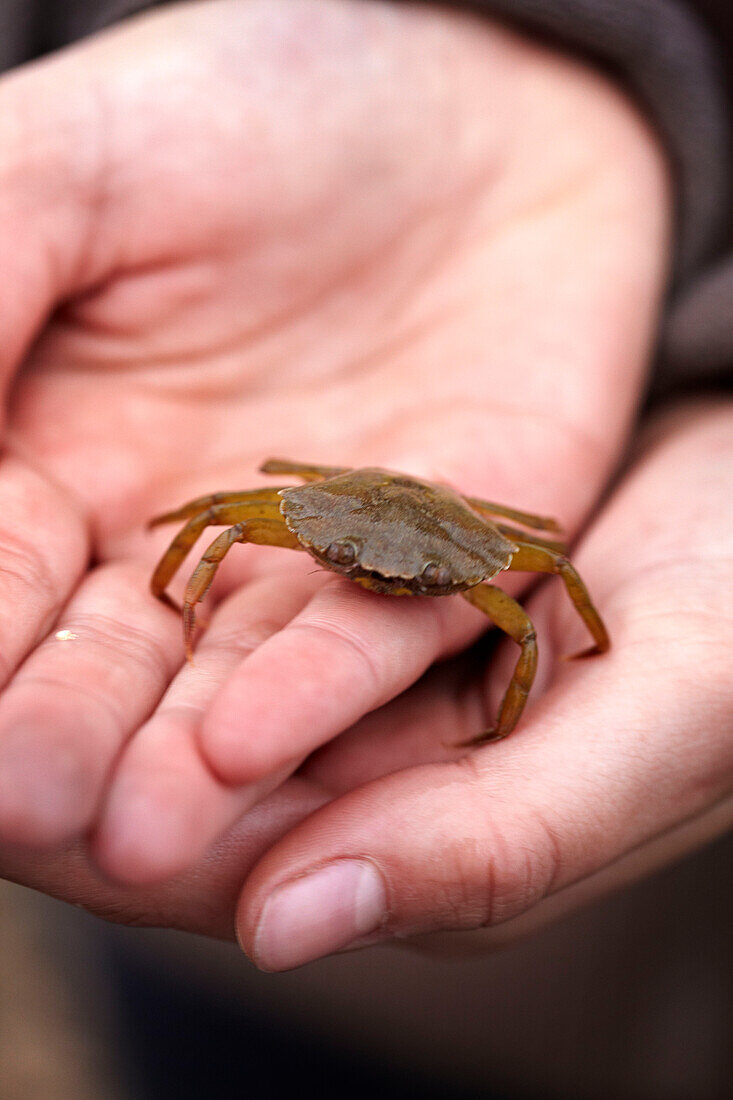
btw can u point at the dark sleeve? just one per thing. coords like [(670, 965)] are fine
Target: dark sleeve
[(30, 28)]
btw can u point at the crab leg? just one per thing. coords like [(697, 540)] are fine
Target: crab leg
[(261, 505), (540, 523), (202, 504), (510, 617), (267, 531), (536, 559), (301, 469), (534, 540)]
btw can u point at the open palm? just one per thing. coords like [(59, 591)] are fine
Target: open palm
[(338, 231)]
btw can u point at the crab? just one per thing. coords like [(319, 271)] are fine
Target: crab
[(392, 534)]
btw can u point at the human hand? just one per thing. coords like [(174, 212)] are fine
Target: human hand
[(623, 764), (341, 231)]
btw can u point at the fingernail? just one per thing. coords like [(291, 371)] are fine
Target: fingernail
[(319, 913)]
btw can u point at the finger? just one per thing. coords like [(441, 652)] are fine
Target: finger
[(168, 803), (201, 901), (620, 752), (76, 699), (345, 654), (411, 729), (166, 807), (475, 843), (43, 550), (48, 177)]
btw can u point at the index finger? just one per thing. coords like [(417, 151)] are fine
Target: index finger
[(346, 653), (624, 763)]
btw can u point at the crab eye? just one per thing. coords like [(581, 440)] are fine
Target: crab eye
[(342, 553), (437, 575)]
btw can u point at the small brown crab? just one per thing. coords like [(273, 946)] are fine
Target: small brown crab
[(392, 534)]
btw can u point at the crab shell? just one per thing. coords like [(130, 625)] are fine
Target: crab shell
[(395, 534)]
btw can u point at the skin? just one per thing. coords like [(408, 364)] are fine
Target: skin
[(645, 773), (199, 272), (391, 534), (642, 759)]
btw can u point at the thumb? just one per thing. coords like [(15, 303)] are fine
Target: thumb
[(623, 764), (95, 144), (421, 850), (49, 192), (495, 839)]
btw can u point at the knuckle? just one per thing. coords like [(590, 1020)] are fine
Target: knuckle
[(501, 871), (22, 564), (522, 866), (26, 580)]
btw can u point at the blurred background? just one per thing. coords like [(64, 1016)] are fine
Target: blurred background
[(622, 1000)]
